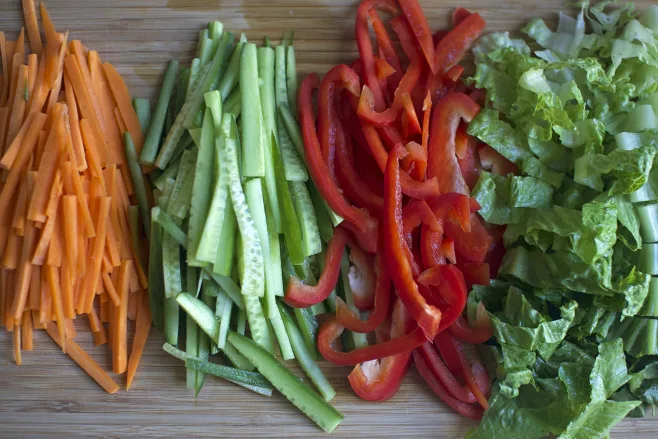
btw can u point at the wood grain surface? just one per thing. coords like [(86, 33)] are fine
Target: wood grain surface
[(50, 397)]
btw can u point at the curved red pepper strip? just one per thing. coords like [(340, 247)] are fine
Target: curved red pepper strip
[(448, 249), (385, 45), (417, 212), (428, 317), (459, 14), (421, 29), (471, 245), (301, 295), (364, 45), (448, 208), (481, 332), (366, 241), (416, 157), (364, 268), (441, 372), (316, 164), (454, 73), (468, 364), (475, 274), (420, 190), (405, 36), (331, 329), (467, 157), (442, 161), (386, 381), (384, 69), (340, 77), (381, 303), (471, 411), (452, 290), (457, 42)]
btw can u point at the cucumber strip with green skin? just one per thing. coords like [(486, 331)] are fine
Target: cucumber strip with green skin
[(228, 286), (191, 280), (269, 129), (195, 68), (308, 325), (233, 100), (133, 224), (138, 181), (258, 327), (179, 201), (213, 102), (229, 373), (359, 340), (311, 241), (225, 257), (156, 276), (215, 30), (171, 320), (201, 313), (236, 358), (204, 354), (153, 177), (209, 300), (170, 172), (273, 270), (291, 78), (242, 322), (154, 133), (143, 109), (253, 190), (253, 280), (203, 34), (285, 347), (169, 226), (309, 402), (194, 100), (202, 187), (231, 76), (650, 307), (649, 259), (305, 357), (648, 215), (319, 308), (174, 351), (181, 93), (191, 349), (287, 39), (252, 144), (224, 322), (290, 221), (280, 86), (186, 142), (211, 236), (166, 192), (324, 222), (205, 50), (287, 269), (292, 127), (173, 283)]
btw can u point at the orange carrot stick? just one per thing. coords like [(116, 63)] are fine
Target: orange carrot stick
[(11, 257), (120, 335), (9, 301), (122, 96), (52, 275), (4, 119), (33, 33), (44, 308), (120, 123), (47, 170), (83, 360), (18, 219), (71, 333), (113, 136), (110, 290), (56, 87), (27, 331), (70, 213), (68, 299), (25, 269), (19, 48), (18, 106), (54, 255), (17, 345), (91, 148), (34, 297), (132, 305), (41, 90), (52, 45), (97, 251), (10, 154), (74, 124), (5, 69), (142, 330), (32, 72), (46, 239)]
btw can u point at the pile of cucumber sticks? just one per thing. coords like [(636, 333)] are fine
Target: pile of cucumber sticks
[(235, 216)]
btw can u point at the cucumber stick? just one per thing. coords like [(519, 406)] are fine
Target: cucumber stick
[(260, 331), (202, 187), (191, 348), (269, 129), (169, 226), (251, 113), (309, 402), (291, 78), (213, 100), (230, 78), (179, 200), (311, 242), (156, 276), (200, 313)]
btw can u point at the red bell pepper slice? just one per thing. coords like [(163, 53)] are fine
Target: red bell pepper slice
[(385, 45), (364, 44), (415, 189), (451, 288), (438, 36), (362, 278), (384, 69), (301, 295), (406, 37), (417, 212), (448, 249), (481, 332), (441, 372), (382, 295), (442, 161), (471, 245), (416, 157), (467, 362), (380, 383), (467, 157), (471, 411), (331, 329), (421, 29), (459, 14), (495, 258), (457, 42), (366, 241), (410, 123), (366, 109), (454, 73), (493, 161), (475, 274), (318, 167), (427, 316)]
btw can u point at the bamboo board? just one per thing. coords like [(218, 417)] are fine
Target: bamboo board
[(50, 397)]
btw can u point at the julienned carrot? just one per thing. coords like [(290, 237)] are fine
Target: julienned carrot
[(110, 290), (119, 328), (5, 69), (124, 103), (121, 124), (17, 345), (83, 360), (18, 106), (91, 148), (52, 275), (19, 48), (133, 299), (142, 330), (11, 256), (18, 219), (48, 168), (57, 85), (40, 90), (32, 71), (74, 124), (11, 152), (107, 104), (54, 255), (97, 251), (68, 294), (97, 328), (51, 46), (43, 245), (33, 33), (34, 296), (70, 214), (26, 328)]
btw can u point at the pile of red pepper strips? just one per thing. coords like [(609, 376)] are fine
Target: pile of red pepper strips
[(402, 186)]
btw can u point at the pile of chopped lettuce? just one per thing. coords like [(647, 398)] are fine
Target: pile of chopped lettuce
[(575, 305)]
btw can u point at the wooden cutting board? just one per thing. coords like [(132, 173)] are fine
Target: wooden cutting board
[(50, 397)]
